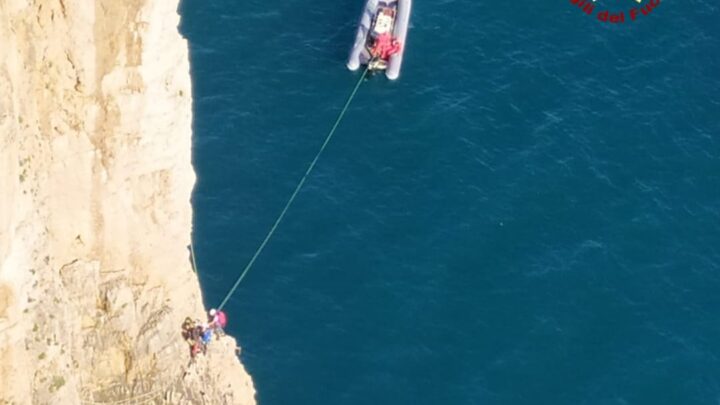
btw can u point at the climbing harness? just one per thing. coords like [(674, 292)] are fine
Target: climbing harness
[(292, 197)]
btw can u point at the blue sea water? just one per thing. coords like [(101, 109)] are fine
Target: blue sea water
[(529, 215)]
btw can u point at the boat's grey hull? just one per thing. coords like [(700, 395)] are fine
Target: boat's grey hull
[(360, 56)]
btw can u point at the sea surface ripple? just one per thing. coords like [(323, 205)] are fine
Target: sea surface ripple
[(529, 215)]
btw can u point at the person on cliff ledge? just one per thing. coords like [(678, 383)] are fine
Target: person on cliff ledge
[(218, 320), (206, 338), (192, 333)]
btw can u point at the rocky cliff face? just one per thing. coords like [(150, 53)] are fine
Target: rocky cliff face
[(95, 218)]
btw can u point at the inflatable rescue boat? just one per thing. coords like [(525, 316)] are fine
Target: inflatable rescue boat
[(380, 40)]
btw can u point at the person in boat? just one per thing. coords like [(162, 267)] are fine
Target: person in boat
[(385, 46)]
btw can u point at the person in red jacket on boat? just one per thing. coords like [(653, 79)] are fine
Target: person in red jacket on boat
[(385, 46)]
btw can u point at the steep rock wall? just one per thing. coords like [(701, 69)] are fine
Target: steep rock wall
[(95, 218)]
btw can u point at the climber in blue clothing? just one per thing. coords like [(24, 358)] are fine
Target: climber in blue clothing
[(206, 338)]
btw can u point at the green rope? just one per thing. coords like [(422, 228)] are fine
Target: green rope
[(294, 194)]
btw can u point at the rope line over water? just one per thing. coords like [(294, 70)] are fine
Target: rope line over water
[(292, 197)]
